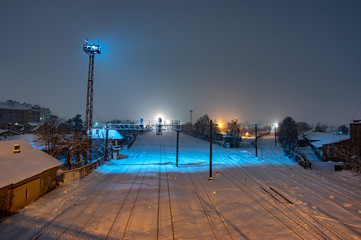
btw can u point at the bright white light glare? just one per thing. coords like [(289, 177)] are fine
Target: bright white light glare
[(161, 117), (275, 124)]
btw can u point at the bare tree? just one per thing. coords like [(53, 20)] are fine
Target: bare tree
[(303, 127), (201, 126), (75, 144), (349, 154), (50, 136)]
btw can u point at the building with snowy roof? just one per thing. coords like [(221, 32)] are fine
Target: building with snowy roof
[(324, 143), (25, 175), (113, 136), (15, 112)]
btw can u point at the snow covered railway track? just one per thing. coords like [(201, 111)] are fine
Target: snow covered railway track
[(130, 217), (300, 224), (325, 183), (341, 200), (298, 217), (163, 174), (82, 212), (117, 229), (281, 157), (215, 220)]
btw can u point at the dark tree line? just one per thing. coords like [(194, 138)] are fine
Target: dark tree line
[(201, 129)]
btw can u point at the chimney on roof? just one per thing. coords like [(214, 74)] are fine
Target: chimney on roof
[(16, 148)]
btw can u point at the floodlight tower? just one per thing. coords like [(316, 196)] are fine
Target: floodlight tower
[(90, 49)]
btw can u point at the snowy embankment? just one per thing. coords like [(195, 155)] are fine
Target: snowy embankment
[(147, 197)]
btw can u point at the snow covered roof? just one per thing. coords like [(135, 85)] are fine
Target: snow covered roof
[(16, 167), (7, 147), (14, 105), (101, 134), (3, 132), (320, 138)]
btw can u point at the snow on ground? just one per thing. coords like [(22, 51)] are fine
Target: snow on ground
[(147, 197)]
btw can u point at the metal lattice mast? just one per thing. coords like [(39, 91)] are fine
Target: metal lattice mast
[(90, 50), (89, 97)]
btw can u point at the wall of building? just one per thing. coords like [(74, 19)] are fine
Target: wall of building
[(355, 133), (17, 196)]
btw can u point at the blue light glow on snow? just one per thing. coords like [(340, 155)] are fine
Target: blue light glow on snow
[(139, 161), (153, 153)]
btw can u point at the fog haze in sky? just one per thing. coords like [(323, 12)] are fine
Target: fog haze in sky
[(251, 60)]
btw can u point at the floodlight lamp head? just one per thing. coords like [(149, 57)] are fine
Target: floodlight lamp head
[(89, 48)]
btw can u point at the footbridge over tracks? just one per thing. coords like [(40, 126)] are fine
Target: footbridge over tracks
[(146, 125)]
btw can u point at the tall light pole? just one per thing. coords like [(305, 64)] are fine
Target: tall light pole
[(91, 50)]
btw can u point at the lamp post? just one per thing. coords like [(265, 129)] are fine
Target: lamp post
[(276, 125)]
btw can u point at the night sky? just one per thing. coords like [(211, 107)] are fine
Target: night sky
[(251, 60)]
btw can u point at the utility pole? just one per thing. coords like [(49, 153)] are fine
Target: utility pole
[(106, 144), (177, 147), (256, 135), (210, 150), (275, 135)]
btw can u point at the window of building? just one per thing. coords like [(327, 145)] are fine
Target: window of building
[(26, 194)]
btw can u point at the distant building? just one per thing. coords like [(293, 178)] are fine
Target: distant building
[(15, 112), (328, 146), (324, 143), (113, 135), (25, 176), (5, 133), (355, 133)]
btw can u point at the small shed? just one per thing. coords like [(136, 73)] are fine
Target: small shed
[(113, 135), (25, 176)]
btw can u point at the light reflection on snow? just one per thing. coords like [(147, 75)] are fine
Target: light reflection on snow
[(151, 163)]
